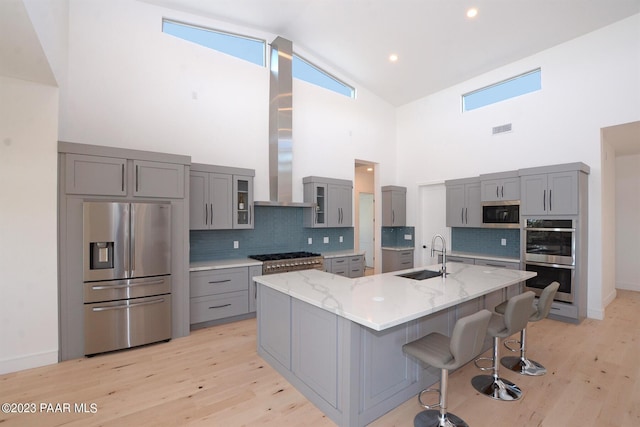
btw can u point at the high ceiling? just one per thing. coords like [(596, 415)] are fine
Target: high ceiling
[(437, 44)]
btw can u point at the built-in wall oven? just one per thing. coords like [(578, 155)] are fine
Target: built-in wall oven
[(550, 251)]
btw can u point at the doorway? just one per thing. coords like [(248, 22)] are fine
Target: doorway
[(365, 208)]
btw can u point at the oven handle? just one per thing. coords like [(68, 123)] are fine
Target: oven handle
[(127, 285), (550, 229), (542, 264), (123, 306)]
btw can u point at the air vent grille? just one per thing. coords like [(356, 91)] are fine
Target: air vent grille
[(501, 129)]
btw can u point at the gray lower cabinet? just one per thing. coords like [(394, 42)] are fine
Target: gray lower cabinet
[(394, 259), (348, 266), (217, 294)]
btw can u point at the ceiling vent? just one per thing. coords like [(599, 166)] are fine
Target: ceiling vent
[(501, 129)]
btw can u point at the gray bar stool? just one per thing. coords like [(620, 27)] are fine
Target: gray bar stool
[(447, 354), (515, 318), (521, 364)]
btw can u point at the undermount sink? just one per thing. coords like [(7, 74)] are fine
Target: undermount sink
[(421, 275)]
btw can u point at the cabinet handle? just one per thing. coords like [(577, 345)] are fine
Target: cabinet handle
[(462, 215), (393, 216), (137, 178), (206, 214), (220, 281), (550, 208), (544, 200), (211, 213), (122, 177), (502, 191), (497, 187), (488, 264), (249, 214), (466, 215), (219, 306)]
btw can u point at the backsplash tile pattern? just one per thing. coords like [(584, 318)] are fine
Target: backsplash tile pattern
[(276, 229), (486, 241), (394, 237)]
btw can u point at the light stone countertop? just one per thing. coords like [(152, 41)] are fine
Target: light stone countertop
[(338, 254), (385, 300), (223, 263)]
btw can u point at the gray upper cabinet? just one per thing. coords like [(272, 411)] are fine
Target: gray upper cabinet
[(242, 201), (394, 206), (155, 179), (500, 186), (333, 199), (463, 203), (109, 176), (221, 198), (550, 194), (210, 201), (96, 175)]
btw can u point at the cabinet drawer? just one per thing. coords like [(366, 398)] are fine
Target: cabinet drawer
[(204, 309), (356, 271), (498, 264), (218, 281), (562, 309)]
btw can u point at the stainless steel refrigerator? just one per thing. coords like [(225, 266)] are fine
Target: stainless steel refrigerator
[(127, 274)]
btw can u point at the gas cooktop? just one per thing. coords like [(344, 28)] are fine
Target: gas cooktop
[(284, 255)]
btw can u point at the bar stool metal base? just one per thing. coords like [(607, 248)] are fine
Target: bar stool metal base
[(432, 418), (523, 366), (496, 388)]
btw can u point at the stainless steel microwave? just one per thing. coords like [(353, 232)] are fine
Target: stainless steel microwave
[(501, 214)]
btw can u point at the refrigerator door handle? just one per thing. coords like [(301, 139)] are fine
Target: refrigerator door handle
[(127, 285), (123, 306)]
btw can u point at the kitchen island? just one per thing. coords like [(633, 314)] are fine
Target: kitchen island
[(339, 340)]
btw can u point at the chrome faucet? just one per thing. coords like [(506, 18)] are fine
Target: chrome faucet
[(443, 270)]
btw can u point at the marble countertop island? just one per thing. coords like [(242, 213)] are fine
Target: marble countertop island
[(386, 300)]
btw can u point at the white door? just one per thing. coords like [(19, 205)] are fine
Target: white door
[(366, 227), (433, 201)]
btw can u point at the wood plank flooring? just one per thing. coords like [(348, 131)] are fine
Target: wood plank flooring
[(215, 378)]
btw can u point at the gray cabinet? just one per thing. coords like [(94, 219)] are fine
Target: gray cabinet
[(394, 206), (333, 199), (221, 198), (394, 259), (217, 294), (463, 203), (348, 266), (550, 194), (110, 176), (210, 201), (500, 186), (242, 201)]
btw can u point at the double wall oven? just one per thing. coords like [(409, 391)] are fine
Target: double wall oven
[(550, 251)]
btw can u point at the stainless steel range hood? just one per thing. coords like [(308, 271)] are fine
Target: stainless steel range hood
[(280, 127)]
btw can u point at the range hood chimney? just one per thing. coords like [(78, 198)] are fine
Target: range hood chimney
[(280, 126)]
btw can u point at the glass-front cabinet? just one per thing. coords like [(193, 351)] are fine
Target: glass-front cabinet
[(243, 201), (333, 199)]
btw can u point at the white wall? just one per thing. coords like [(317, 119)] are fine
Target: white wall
[(28, 255), (627, 199), (132, 86), (587, 84)]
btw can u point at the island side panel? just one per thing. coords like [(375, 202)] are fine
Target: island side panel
[(274, 327)]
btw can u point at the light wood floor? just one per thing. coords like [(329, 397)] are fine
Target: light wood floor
[(215, 378)]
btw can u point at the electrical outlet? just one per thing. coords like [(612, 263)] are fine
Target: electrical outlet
[(310, 241), (407, 237), (503, 242), (236, 244), (325, 240), (341, 239)]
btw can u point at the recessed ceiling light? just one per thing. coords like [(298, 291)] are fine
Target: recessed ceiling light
[(393, 57), (471, 13), (369, 169)]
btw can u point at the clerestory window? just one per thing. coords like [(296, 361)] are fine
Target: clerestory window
[(506, 89)]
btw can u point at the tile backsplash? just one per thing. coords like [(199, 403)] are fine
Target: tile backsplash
[(486, 241), (276, 229), (395, 237)]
